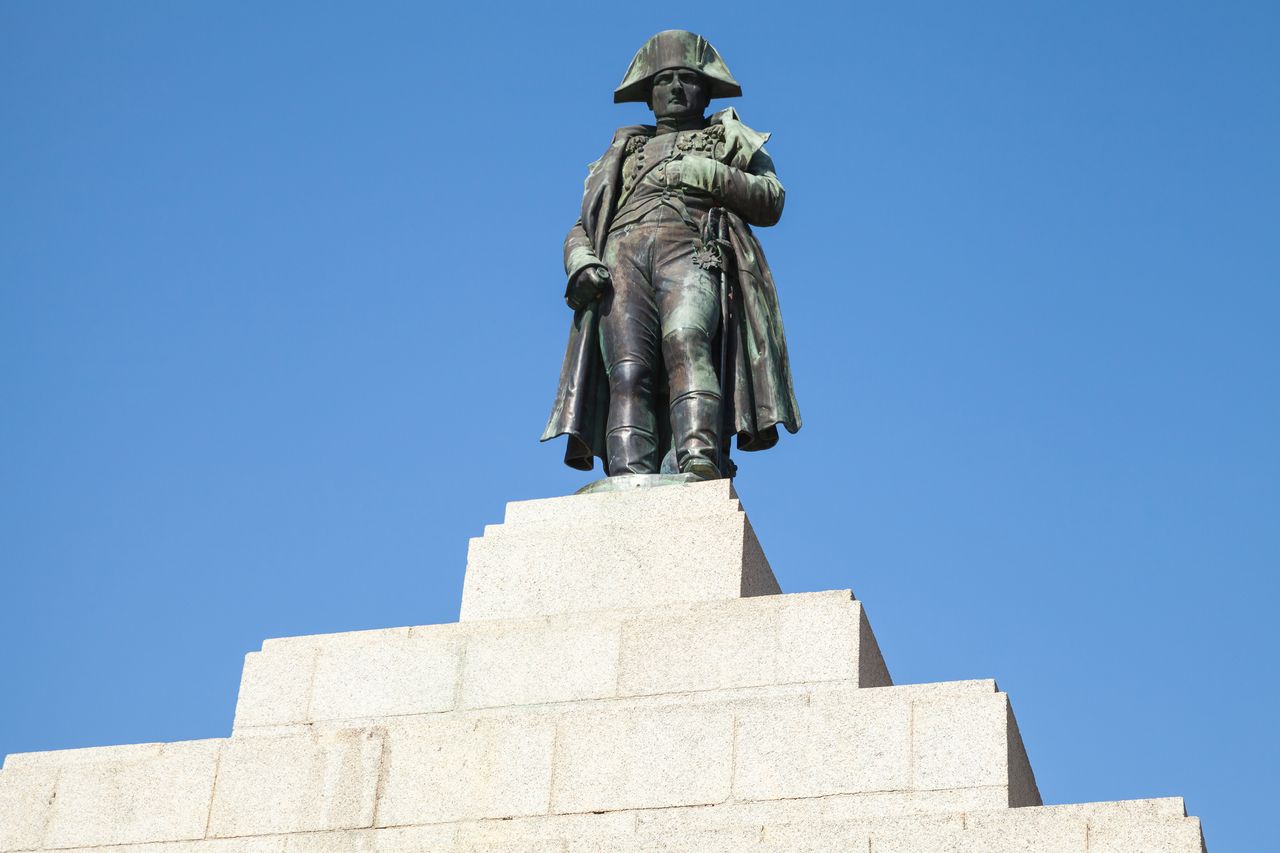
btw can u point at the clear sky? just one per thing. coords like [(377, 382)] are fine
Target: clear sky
[(281, 319)]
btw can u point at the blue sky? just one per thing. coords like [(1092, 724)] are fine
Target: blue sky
[(281, 319)]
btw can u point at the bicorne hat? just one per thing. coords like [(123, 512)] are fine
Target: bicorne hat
[(675, 49)]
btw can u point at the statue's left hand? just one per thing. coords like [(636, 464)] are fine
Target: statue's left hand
[(692, 171)]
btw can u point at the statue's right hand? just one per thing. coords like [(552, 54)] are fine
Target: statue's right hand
[(586, 286)]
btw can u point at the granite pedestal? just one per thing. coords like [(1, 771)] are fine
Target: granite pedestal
[(625, 676)]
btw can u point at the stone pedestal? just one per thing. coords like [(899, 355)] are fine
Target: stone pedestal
[(636, 548), (625, 676)]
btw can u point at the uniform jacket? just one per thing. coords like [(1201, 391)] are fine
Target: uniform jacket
[(760, 394)]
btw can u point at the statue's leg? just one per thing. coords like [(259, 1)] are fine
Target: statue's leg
[(689, 310), (629, 343)]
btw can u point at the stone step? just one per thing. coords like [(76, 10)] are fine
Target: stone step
[(694, 647), (1138, 826), (1011, 832), (887, 750), (627, 677), (640, 548), (1044, 830)]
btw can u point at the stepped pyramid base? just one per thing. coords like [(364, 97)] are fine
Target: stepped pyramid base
[(600, 693)]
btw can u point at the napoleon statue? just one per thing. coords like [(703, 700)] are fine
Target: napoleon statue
[(676, 344)]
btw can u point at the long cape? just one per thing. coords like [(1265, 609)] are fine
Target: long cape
[(762, 395)]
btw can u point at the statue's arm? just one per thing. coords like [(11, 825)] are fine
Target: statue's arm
[(587, 274), (578, 254), (754, 193)]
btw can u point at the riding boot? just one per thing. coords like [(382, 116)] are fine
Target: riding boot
[(631, 443), (695, 427), (631, 450)]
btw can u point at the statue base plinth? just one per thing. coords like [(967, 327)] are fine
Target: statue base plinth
[(627, 482), (623, 545)]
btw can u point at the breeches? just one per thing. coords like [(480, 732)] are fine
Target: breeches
[(662, 310)]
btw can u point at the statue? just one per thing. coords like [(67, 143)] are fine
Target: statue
[(676, 344)]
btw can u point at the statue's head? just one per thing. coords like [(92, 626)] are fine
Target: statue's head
[(676, 73)]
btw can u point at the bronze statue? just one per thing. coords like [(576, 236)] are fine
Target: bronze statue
[(676, 343)]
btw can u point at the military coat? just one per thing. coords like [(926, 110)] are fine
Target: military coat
[(759, 394)]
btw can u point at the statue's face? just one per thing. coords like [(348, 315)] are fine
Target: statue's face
[(679, 93)]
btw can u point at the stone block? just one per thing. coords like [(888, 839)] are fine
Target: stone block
[(823, 837), (1015, 839), (826, 636), (960, 742), (780, 639), (970, 742), (275, 689), (393, 677), (1174, 836), (784, 826), (580, 556), (813, 838), (671, 750), (643, 758), (565, 659), (130, 752), (823, 744), (690, 649), (569, 657), (1027, 822), (26, 797), (1122, 811), (455, 767), (156, 792), (301, 783), (723, 840)]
